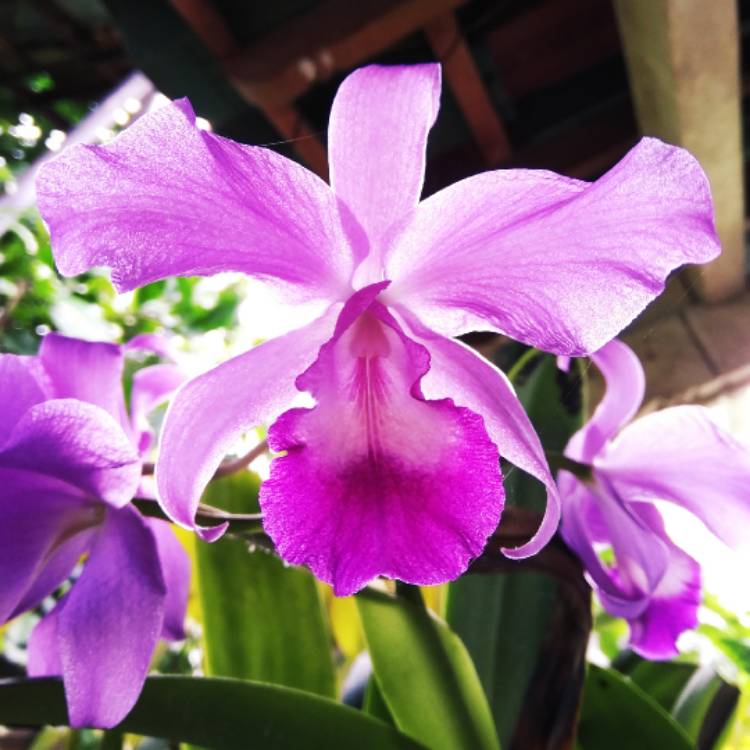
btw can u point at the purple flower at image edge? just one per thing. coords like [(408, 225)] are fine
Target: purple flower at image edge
[(69, 466), (395, 471), (677, 455)]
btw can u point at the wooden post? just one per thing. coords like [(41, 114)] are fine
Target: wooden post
[(683, 63)]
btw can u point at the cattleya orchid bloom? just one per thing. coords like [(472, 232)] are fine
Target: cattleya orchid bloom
[(69, 466), (676, 455), (395, 471)]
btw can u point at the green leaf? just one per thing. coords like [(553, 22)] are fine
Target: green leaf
[(425, 675), (662, 681), (705, 706), (222, 714), (617, 715), (374, 703), (525, 630), (262, 620)]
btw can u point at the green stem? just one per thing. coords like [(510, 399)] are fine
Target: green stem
[(207, 515), (528, 356), (583, 365), (558, 461)]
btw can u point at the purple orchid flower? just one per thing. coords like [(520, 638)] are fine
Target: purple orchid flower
[(69, 466), (677, 455), (395, 471)]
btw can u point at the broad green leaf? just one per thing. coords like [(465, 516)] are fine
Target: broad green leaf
[(221, 714), (525, 630), (662, 681), (734, 647), (374, 703), (705, 706), (425, 675), (262, 620), (617, 715)]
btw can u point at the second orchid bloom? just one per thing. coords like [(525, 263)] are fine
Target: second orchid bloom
[(677, 455)]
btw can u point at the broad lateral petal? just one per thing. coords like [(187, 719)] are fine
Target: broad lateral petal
[(110, 622), (377, 137), (626, 384), (78, 443), (20, 389), (537, 256), (208, 414), (85, 370), (679, 454), (42, 535), (673, 606), (168, 199), (476, 384), (175, 569), (376, 479), (44, 647)]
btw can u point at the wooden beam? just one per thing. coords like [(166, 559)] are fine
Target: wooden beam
[(683, 63), (460, 70), (337, 35), (210, 26)]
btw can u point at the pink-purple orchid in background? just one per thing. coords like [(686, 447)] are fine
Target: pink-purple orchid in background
[(395, 470), (70, 464), (677, 455)]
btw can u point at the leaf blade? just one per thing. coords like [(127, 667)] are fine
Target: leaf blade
[(220, 713), (425, 675), (262, 620)]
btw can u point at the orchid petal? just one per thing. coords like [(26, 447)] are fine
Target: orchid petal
[(175, 569), (641, 557), (680, 455), (476, 384), (626, 385), (80, 444), (537, 256), (166, 198), (377, 480), (152, 386), (653, 584), (673, 606), (110, 621), (87, 371), (377, 136), (44, 648), (208, 414), (153, 343), (20, 389), (43, 533)]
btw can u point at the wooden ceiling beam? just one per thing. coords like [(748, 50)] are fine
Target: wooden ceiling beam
[(212, 29), (460, 70), (336, 36)]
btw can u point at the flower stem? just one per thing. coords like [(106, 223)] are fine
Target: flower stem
[(528, 356), (227, 467), (232, 467)]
